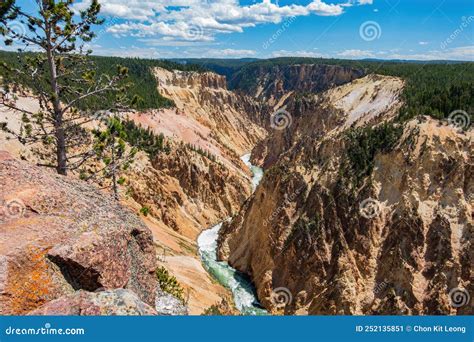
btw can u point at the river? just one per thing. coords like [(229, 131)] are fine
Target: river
[(243, 291)]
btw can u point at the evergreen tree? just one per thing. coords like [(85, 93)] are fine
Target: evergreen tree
[(62, 78), (110, 147)]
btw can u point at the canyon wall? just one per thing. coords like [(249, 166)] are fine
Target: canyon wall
[(328, 232), (270, 83)]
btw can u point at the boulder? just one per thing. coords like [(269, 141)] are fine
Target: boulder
[(59, 235), (168, 305), (118, 302)]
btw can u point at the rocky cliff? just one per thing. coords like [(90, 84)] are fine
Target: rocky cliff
[(187, 190), (230, 120), (198, 182), (269, 84), (305, 119), (354, 216), (59, 235)]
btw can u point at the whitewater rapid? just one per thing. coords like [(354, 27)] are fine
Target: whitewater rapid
[(242, 289)]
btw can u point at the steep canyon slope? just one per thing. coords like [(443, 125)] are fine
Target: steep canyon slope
[(188, 191), (357, 214), (196, 182)]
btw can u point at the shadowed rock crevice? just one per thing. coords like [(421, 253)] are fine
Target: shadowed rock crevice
[(78, 276)]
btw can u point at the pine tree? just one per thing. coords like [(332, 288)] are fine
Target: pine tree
[(110, 147), (61, 75)]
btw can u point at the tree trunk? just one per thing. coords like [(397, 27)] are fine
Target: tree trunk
[(59, 131), (114, 175), (61, 157)]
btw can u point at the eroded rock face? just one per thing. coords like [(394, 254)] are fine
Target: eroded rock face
[(59, 235), (190, 79), (187, 191), (230, 121), (270, 84), (367, 100), (119, 302), (167, 305), (397, 243), (184, 190)]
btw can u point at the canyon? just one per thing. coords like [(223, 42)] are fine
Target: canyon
[(390, 236)]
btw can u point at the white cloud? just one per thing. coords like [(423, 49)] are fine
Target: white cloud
[(230, 53), (201, 20), (299, 53), (356, 54), (463, 53), (423, 43), (190, 52)]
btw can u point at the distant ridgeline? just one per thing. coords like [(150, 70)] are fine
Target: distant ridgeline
[(434, 88), (225, 67), (143, 82)]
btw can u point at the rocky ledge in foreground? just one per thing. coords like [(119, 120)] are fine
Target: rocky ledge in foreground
[(117, 302), (59, 235)]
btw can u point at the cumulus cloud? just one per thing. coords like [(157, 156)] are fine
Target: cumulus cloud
[(299, 53), (355, 53), (201, 20), (461, 53)]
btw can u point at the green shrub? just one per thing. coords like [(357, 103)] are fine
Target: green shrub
[(142, 83), (364, 143), (213, 310), (145, 210), (202, 152), (169, 283), (434, 88), (145, 139)]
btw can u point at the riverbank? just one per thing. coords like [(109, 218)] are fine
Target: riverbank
[(242, 289)]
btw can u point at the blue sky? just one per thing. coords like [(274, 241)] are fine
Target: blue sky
[(387, 29)]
